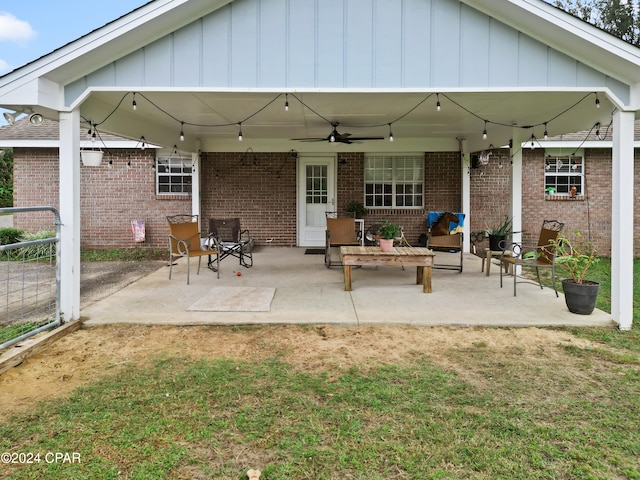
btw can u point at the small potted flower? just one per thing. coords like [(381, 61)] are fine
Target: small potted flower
[(388, 232)]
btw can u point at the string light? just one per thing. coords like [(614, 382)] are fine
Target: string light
[(134, 105), (546, 134), (143, 143), (533, 140), (390, 134), (286, 102), (92, 130)]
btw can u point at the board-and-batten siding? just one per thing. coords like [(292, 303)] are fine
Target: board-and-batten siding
[(345, 44)]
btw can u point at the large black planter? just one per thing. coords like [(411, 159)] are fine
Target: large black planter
[(580, 297), (497, 242)]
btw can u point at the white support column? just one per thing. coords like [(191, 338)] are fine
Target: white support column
[(516, 185), (622, 220), (465, 162), (70, 215), (195, 186)]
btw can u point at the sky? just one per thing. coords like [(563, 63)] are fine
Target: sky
[(30, 29)]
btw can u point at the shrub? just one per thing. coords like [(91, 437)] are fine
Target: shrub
[(9, 235)]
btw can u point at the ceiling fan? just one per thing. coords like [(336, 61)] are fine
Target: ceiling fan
[(337, 137)]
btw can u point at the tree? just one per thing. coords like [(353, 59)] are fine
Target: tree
[(6, 178), (617, 17)]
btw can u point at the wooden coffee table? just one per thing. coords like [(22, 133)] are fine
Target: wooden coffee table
[(420, 257)]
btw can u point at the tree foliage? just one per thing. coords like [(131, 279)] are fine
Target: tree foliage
[(617, 17), (6, 178)]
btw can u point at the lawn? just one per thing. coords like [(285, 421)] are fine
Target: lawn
[(565, 411)]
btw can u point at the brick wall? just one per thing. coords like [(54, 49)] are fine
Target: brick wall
[(258, 188), (111, 196), (261, 190)]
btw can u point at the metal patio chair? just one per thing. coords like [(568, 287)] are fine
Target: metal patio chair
[(539, 256), (184, 241), (444, 234), (341, 231), (231, 240)]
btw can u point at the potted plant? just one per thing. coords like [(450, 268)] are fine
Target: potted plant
[(388, 231), (356, 207), (499, 233), (577, 257)]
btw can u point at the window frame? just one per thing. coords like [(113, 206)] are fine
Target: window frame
[(174, 161), (573, 167), (393, 185)]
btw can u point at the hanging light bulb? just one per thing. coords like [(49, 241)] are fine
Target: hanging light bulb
[(134, 105), (390, 134), (484, 132), (182, 131), (143, 143), (597, 101), (286, 102), (533, 142), (546, 134), (240, 132), (438, 102)]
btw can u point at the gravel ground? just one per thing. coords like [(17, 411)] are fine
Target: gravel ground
[(101, 279)]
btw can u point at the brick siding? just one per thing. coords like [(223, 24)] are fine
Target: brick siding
[(260, 189)]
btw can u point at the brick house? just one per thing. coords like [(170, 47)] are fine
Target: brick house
[(449, 78)]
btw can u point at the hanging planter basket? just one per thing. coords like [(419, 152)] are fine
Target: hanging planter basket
[(91, 158)]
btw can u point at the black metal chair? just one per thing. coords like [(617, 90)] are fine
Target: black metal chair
[(231, 240)]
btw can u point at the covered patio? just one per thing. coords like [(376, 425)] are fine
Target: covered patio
[(287, 286), (450, 77)]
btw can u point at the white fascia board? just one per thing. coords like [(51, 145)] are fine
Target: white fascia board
[(573, 144), (55, 143)]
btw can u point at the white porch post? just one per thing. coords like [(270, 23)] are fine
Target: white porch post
[(622, 220), (195, 186), (70, 215), (465, 161), (516, 185)]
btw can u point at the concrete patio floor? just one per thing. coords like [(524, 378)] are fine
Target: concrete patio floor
[(306, 292)]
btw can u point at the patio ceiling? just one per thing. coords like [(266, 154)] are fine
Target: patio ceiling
[(212, 119)]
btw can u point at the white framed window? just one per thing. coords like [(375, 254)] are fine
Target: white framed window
[(394, 181), (564, 174), (173, 175)]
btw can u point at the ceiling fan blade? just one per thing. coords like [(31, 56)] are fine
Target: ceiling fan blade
[(314, 139), (366, 138)]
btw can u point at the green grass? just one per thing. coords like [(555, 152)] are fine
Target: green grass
[(501, 415), (215, 419)]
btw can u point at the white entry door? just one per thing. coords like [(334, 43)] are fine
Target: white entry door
[(316, 195)]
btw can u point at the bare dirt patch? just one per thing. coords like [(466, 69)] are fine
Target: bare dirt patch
[(91, 353), (479, 355)]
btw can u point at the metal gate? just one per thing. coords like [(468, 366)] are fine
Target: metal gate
[(29, 283)]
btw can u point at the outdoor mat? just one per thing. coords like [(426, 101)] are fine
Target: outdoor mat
[(235, 299), (314, 251)]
